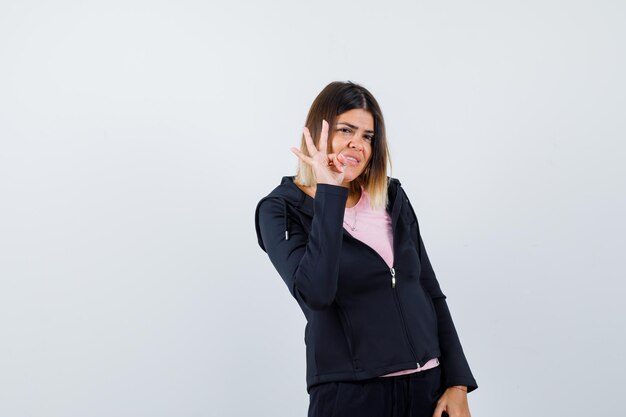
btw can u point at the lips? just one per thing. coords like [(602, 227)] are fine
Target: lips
[(352, 160)]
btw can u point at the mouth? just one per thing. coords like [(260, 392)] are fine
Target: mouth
[(352, 160)]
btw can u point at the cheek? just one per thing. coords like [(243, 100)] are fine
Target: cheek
[(368, 155), (334, 145)]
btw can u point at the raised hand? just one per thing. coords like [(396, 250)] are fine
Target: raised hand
[(328, 168)]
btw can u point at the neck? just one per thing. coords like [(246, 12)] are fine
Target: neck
[(353, 199)]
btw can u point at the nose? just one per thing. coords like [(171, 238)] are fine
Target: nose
[(356, 143)]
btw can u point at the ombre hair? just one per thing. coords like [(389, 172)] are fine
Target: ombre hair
[(335, 99)]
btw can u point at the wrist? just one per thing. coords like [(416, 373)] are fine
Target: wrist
[(460, 388)]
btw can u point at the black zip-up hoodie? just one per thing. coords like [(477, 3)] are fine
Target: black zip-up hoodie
[(364, 319)]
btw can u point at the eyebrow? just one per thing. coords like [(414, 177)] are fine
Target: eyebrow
[(353, 126)]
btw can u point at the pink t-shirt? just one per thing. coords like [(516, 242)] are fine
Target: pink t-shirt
[(373, 227)]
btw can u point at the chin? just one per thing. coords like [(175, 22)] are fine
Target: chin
[(351, 176)]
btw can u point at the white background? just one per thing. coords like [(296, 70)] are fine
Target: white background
[(137, 137)]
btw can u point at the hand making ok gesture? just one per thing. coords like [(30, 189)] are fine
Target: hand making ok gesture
[(328, 167)]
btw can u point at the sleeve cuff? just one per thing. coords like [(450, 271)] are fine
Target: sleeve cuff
[(332, 189), (452, 381)]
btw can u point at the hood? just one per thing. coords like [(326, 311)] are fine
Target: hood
[(291, 196)]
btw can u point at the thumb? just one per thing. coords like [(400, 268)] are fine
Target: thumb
[(439, 409)]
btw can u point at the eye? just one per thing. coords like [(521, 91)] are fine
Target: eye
[(369, 137)]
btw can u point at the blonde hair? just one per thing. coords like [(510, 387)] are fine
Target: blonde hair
[(335, 99)]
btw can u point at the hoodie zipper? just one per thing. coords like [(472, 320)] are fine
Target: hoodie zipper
[(406, 332), (392, 270)]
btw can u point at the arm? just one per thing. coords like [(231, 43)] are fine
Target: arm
[(309, 265), (455, 369)]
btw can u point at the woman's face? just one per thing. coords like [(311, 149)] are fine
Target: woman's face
[(352, 136)]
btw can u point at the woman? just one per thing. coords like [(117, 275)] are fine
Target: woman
[(380, 340)]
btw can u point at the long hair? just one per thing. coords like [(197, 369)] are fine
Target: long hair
[(337, 98)]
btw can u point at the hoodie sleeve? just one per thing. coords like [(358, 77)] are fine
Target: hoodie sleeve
[(309, 264), (455, 369)]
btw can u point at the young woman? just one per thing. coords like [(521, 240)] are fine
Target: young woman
[(343, 236)]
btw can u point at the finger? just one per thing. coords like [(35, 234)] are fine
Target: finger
[(339, 160), (323, 144), (303, 157), (309, 141), (335, 164)]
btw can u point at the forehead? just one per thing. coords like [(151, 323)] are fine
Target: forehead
[(358, 118)]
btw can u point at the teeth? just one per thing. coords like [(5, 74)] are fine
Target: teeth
[(354, 159)]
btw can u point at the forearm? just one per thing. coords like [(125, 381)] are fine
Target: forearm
[(456, 370), (317, 274)]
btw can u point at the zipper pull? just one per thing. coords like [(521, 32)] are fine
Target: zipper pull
[(393, 277)]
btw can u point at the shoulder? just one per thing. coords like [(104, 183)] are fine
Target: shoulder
[(272, 209), (394, 186), (395, 189), (270, 217), (274, 201), (393, 180)]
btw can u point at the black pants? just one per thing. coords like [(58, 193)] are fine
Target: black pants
[(411, 395)]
